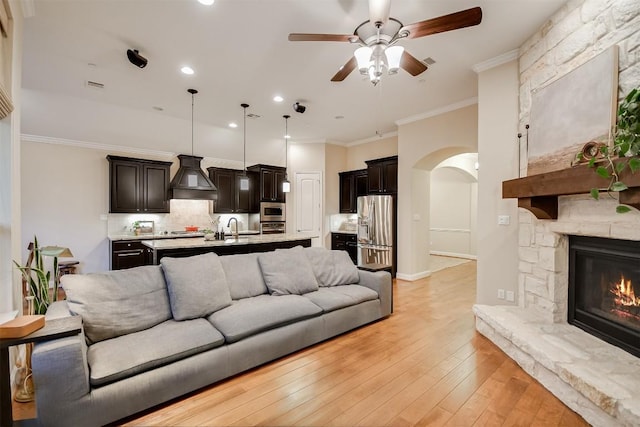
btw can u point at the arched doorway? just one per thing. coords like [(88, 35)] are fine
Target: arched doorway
[(414, 228), (453, 201)]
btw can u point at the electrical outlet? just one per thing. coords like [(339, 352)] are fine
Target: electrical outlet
[(500, 293), (511, 296), (504, 219)]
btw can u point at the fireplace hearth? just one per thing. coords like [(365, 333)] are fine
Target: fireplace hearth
[(604, 289)]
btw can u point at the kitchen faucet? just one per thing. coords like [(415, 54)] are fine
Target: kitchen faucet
[(229, 225)]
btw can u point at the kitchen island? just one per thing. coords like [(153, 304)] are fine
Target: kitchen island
[(229, 246)]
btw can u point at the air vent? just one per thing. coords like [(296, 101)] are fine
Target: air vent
[(253, 116), (95, 85), (429, 61)]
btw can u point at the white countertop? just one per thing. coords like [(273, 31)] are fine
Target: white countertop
[(190, 235), (242, 240), (344, 232)]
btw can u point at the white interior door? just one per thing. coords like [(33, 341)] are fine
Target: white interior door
[(309, 204)]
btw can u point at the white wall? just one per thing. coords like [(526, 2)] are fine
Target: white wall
[(452, 202), (11, 71), (65, 192), (358, 153), (498, 157), (421, 146)]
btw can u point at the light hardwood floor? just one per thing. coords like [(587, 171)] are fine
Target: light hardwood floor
[(424, 365)]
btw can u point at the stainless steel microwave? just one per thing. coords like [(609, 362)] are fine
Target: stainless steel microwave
[(271, 211)]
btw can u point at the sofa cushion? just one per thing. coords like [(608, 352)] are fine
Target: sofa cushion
[(197, 285), (357, 293), (244, 276), (336, 297), (131, 354), (329, 300), (331, 267), (118, 302), (250, 316), (287, 271)]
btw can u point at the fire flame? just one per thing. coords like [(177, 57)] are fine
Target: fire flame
[(624, 293)]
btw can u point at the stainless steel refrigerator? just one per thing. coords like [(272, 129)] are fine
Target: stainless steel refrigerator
[(375, 230)]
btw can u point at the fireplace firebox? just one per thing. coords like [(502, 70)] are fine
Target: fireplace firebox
[(604, 289)]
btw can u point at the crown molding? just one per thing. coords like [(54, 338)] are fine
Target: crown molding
[(372, 139), (28, 8), (170, 156), (438, 111), (494, 62), (94, 145)]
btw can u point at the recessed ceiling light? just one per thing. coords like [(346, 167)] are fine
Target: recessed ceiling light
[(206, 2), (278, 98), (287, 136), (187, 70), (233, 125)]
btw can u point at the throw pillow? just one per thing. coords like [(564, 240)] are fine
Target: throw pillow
[(244, 276), (331, 267), (197, 285), (287, 272), (118, 302)]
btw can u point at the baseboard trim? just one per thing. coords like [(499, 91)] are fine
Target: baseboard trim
[(413, 277), (454, 255)]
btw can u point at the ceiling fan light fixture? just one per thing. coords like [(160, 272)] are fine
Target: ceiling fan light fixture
[(394, 55), (363, 57)]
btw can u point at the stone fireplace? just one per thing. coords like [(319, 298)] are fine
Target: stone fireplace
[(598, 380), (603, 277)]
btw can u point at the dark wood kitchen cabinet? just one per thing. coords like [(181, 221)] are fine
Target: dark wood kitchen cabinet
[(230, 198), (270, 179), (138, 185), (382, 175), (352, 185), (345, 242), (129, 254)]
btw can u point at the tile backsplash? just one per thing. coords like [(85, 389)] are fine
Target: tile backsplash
[(183, 213)]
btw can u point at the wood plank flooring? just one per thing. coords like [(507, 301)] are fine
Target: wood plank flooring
[(423, 366)]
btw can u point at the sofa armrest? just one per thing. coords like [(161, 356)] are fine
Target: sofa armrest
[(60, 368), (380, 281), (57, 310)]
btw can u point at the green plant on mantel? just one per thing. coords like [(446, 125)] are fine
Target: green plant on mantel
[(625, 147)]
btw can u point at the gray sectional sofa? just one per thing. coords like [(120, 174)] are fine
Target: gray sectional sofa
[(154, 333)]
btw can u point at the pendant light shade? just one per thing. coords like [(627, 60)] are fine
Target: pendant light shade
[(363, 57), (244, 180), (394, 55), (286, 185)]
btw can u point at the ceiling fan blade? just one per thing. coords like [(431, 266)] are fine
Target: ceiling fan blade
[(345, 70), (453, 21), (412, 65), (379, 11), (304, 37)]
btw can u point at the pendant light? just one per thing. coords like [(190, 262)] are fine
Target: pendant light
[(244, 180), (286, 185)]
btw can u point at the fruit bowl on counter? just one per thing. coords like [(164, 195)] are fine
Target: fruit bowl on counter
[(191, 228)]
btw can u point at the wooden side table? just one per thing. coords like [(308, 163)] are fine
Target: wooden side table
[(53, 329)]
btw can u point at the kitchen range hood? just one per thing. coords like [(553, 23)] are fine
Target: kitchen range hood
[(190, 182)]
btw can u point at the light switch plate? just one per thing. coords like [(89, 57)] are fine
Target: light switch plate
[(504, 219), (511, 296)]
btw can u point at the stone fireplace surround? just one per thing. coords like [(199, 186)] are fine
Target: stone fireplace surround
[(595, 379)]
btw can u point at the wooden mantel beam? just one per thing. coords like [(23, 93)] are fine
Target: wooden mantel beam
[(539, 193)]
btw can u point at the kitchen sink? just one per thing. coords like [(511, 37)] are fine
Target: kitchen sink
[(238, 240)]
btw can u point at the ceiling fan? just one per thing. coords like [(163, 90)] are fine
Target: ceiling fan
[(378, 36)]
